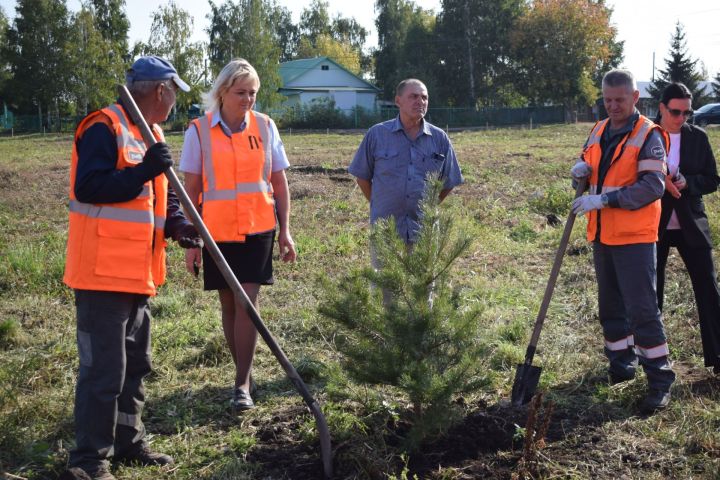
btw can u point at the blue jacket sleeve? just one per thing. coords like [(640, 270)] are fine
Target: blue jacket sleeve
[(97, 180)]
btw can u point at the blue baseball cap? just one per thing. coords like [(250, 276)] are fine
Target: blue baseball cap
[(153, 67)]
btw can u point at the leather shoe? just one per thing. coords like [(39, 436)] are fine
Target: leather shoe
[(144, 456), (654, 401)]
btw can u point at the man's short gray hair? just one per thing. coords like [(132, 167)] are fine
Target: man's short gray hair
[(619, 78), (141, 88), (408, 81)]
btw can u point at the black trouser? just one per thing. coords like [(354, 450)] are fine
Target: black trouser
[(699, 264), (113, 336)]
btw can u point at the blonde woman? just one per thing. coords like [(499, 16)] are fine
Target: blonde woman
[(234, 165)]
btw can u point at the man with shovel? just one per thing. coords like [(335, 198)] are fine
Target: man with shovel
[(121, 211), (624, 158)]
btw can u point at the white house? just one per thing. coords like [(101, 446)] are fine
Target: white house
[(322, 77)]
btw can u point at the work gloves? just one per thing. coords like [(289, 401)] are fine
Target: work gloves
[(587, 203), (188, 237), (580, 170), (157, 159)]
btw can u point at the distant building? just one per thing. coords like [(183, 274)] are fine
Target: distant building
[(321, 77)]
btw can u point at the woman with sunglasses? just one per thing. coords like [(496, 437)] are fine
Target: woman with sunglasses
[(683, 222)]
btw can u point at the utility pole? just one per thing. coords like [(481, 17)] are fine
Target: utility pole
[(653, 72)]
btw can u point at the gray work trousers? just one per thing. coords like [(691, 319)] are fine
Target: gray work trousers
[(113, 336), (629, 314)]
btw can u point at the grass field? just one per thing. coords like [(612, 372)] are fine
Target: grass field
[(514, 180)]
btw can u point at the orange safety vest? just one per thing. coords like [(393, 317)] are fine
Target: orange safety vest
[(621, 226), (118, 247), (237, 197)]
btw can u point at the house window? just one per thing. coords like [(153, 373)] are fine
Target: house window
[(325, 67)]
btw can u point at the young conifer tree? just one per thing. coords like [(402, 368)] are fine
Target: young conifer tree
[(403, 324)]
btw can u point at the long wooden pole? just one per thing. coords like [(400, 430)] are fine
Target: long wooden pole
[(241, 297)]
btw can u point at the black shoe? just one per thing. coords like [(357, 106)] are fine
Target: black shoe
[(241, 400), (654, 401), (144, 456), (614, 378)]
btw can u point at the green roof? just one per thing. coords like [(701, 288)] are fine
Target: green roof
[(293, 69)]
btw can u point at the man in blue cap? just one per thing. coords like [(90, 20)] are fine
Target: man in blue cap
[(121, 211)]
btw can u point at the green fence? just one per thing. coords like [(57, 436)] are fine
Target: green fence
[(322, 117)]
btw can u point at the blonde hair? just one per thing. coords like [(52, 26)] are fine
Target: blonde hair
[(237, 68)]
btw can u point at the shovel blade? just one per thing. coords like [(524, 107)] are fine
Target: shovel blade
[(525, 384)]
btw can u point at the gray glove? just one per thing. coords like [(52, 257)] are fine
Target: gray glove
[(587, 203), (580, 170)]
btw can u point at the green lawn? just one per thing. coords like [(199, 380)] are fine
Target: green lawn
[(514, 179)]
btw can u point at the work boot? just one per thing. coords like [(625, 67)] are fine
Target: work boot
[(654, 401), (142, 455)]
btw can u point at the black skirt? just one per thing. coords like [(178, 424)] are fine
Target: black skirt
[(250, 261)]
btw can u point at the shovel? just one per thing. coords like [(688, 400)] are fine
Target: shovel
[(527, 375), (240, 295)]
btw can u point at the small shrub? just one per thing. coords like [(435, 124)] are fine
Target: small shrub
[(554, 201), (427, 349), (9, 332)]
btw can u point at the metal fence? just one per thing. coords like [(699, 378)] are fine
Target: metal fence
[(327, 118)]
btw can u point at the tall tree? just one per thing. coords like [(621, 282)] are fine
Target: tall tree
[(170, 37), (113, 23), (315, 21), (348, 30), (559, 46), (286, 33), (716, 87), (35, 52), (474, 46), (243, 29), (326, 46), (94, 68), (393, 22), (679, 67), (4, 67)]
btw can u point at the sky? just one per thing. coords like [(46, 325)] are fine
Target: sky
[(646, 26)]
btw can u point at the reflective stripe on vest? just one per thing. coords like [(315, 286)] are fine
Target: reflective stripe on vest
[(212, 192)]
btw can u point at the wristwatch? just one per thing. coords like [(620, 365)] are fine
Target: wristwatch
[(604, 199)]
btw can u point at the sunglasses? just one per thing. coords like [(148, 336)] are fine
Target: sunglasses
[(676, 113)]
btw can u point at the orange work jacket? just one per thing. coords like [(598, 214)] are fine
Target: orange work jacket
[(620, 226), (237, 197), (118, 247)]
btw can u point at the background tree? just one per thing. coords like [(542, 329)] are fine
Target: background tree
[(326, 46), (170, 37), (394, 21), (559, 45), (4, 67), (474, 48), (341, 39), (679, 67), (35, 52), (113, 23), (286, 33), (243, 29), (95, 70), (716, 87)]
